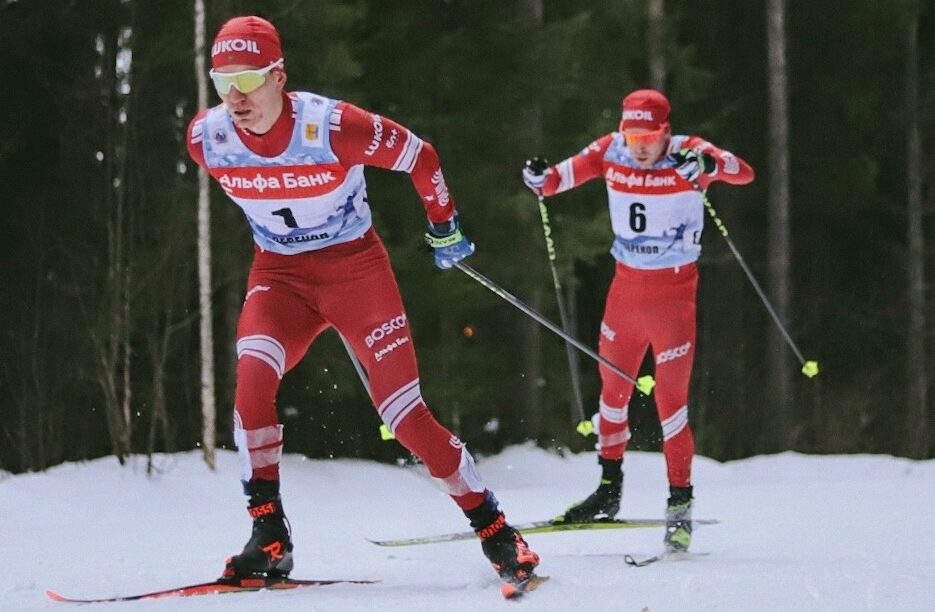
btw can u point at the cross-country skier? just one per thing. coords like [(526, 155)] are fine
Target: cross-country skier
[(294, 162), (654, 184)]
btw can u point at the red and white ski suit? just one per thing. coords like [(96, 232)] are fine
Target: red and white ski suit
[(319, 263), (657, 219)]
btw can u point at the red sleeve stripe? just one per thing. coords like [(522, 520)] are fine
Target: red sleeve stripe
[(410, 153), (198, 131), (566, 174), (335, 120)]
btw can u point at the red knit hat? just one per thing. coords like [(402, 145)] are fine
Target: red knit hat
[(251, 41), (645, 108)]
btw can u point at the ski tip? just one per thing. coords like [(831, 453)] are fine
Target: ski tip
[(515, 590), (634, 562), (665, 556), (510, 590), (54, 596)]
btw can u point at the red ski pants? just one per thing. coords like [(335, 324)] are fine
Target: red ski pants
[(351, 287), (650, 308)]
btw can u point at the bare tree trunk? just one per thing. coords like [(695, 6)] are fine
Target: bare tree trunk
[(657, 44), (125, 346), (208, 407), (531, 12), (529, 133), (110, 334), (159, 354), (916, 421), (532, 369), (40, 406), (450, 402), (122, 248), (779, 244), (577, 411)]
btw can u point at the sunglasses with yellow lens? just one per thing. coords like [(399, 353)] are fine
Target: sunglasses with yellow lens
[(245, 81), (646, 139)]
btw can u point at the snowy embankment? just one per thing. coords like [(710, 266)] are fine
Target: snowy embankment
[(798, 533)]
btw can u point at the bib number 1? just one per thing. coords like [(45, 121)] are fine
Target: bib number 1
[(287, 217)]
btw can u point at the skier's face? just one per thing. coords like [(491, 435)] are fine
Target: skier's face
[(646, 146), (258, 109)]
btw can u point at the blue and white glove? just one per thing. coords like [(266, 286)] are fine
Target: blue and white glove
[(691, 163), (448, 242), (534, 174)]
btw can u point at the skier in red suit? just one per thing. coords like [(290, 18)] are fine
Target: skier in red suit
[(655, 184), (293, 162)]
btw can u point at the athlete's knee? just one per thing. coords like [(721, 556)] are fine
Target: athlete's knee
[(399, 405), (259, 351)]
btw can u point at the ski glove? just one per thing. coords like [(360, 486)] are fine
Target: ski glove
[(534, 174), (690, 163), (448, 242)]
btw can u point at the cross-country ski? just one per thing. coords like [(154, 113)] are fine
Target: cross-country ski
[(215, 587), (535, 527)]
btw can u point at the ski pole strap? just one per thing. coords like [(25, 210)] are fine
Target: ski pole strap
[(440, 242)]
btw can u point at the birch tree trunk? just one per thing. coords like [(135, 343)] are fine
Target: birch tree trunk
[(208, 407), (916, 421), (779, 245)]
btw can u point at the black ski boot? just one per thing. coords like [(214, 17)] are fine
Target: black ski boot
[(503, 546), (269, 550), (604, 503), (678, 520)]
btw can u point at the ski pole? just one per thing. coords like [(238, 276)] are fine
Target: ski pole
[(584, 425), (810, 367), (644, 384), (385, 433)]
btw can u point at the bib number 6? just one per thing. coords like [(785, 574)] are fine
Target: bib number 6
[(637, 217)]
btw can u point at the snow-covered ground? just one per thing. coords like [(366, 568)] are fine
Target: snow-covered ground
[(799, 533)]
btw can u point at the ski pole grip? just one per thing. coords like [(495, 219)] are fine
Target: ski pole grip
[(537, 165)]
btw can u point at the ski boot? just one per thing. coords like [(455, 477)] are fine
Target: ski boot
[(504, 547), (678, 520), (269, 550), (604, 503)]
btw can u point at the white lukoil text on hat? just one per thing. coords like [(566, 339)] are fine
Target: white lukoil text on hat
[(638, 115), (234, 45)]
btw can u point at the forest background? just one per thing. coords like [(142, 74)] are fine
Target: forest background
[(831, 104)]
